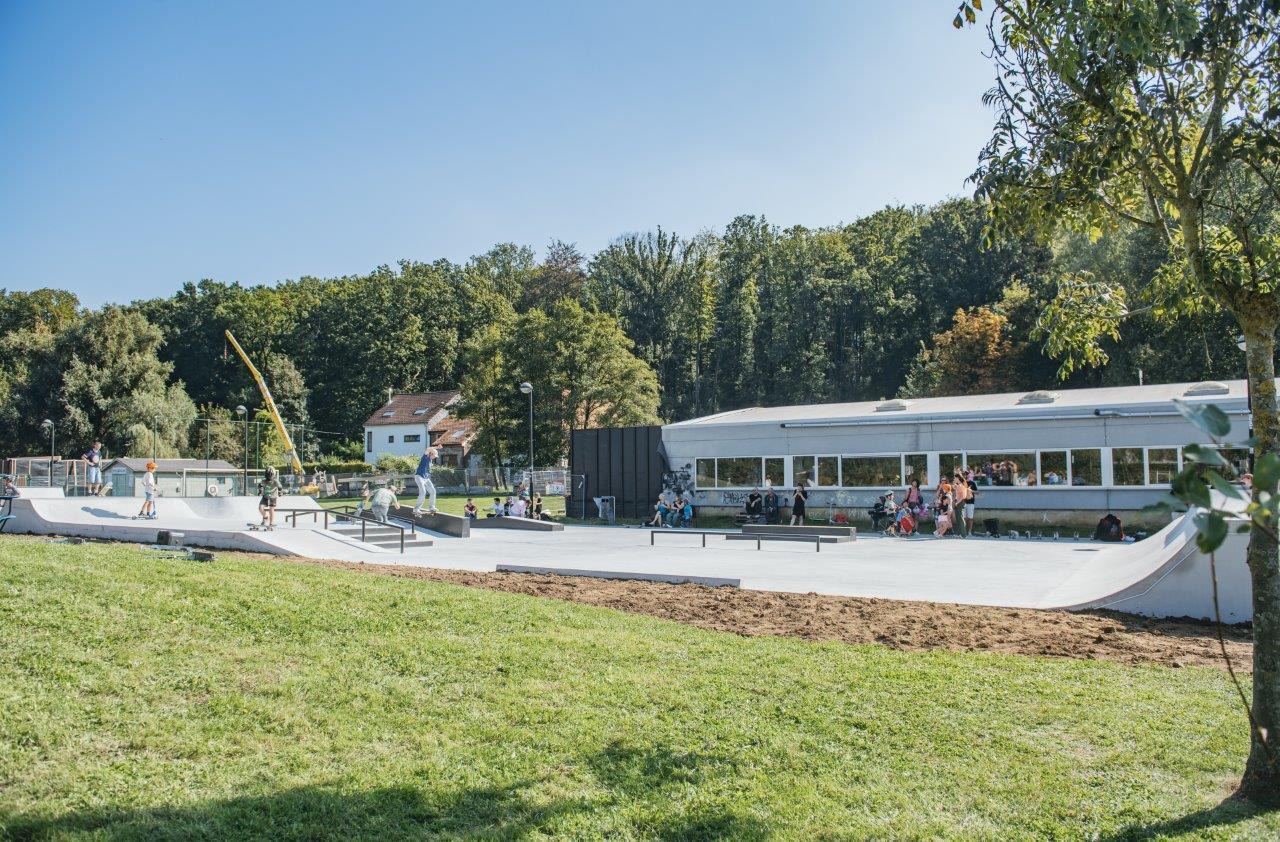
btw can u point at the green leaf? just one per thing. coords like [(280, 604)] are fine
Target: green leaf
[(1204, 454), (1161, 506), (958, 23), (1266, 472), (1206, 416), (1211, 531), (1221, 485), (1188, 487)]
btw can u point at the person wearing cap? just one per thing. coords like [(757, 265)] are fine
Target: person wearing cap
[(148, 493)]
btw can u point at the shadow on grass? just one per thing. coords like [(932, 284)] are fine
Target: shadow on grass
[(1231, 811), (634, 780)]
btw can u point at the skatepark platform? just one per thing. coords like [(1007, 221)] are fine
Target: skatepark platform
[(527, 524), (1162, 576)]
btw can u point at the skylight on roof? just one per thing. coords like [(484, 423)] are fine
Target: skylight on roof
[(895, 405), (1207, 387), (388, 413), (457, 434), (422, 410), (1039, 397)]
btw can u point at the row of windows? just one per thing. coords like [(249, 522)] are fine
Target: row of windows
[(1130, 466), (408, 438)]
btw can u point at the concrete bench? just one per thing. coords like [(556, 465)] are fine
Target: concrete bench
[(779, 529), (527, 524)]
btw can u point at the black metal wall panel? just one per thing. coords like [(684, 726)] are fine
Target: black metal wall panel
[(624, 462)]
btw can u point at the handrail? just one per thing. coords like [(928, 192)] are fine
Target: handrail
[(350, 511)]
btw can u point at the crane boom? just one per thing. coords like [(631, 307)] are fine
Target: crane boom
[(271, 405)]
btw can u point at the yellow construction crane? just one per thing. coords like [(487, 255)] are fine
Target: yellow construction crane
[(271, 405)]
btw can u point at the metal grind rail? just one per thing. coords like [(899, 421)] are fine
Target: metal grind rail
[(347, 513)]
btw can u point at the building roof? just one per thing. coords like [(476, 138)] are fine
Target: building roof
[(1230, 395), (454, 431), (412, 408), (138, 464)]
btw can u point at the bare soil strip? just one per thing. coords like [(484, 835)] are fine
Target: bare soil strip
[(909, 626)]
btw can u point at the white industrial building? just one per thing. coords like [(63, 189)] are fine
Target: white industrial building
[(1071, 450)]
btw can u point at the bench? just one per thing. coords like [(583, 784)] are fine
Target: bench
[(704, 533)]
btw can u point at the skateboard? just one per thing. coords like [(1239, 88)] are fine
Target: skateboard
[(260, 527), (143, 517)]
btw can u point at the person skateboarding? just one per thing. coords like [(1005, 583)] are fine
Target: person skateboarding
[(269, 494), (93, 469), (422, 479)]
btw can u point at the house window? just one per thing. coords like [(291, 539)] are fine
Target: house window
[(1162, 465), (391, 439), (368, 441), (917, 468), (1086, 467), (1053, 467), (949, 463), (1009, 469), (706, 473), (774, 470), (741, 472), (1127, 466), (870, 471), (802, 470), (828, 471), (409, 439)]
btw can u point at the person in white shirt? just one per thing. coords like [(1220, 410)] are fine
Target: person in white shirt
[(148, 493), (517, 508)]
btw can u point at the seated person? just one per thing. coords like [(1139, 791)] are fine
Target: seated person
[(771, 507), (660, 512), (539, 512), (882, 510), (755, 505), (10, 489), (904, 522), (685, 512), (469, 511), (1109, 529), (496, 509)]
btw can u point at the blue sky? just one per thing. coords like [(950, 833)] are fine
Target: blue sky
[(147, 144)]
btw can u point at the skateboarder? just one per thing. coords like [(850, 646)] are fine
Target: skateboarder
[(148, 493), (269, 491), (93, 469), (422, 479), (383, 500)]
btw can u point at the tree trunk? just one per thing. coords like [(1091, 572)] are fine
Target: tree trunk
[(1261, 782)]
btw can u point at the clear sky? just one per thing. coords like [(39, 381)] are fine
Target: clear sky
[(147, 144)]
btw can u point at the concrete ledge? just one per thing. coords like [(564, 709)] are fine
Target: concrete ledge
[(458, 527), (771, 536), (779, 529), (524, 523), (669, 578)]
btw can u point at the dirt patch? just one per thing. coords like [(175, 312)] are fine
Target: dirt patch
[(910, 626)]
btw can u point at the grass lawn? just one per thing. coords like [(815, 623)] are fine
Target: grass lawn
[(142, 697), (451, 504)]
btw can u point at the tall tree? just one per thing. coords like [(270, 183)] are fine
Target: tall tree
[(1164, 115)]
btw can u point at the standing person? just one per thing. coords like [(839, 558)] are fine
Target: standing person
[(959, 496), (971, 503), (422, 479), (944, 516), (914, 501), (93, 469), (10, 488), (148, 493), (518, 507), (798, 500), (268, 495)]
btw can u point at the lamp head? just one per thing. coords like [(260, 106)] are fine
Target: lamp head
[(240, 410), (46, 424), (1240, 343), (526, 388)]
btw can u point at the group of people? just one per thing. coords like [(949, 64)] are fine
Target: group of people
[(675, 514), (952, 508), (767, 507), (516, 505)]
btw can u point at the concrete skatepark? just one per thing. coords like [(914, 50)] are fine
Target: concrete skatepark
[(1162, 576)]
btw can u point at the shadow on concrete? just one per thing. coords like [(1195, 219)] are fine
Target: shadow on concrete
[(105, 513)]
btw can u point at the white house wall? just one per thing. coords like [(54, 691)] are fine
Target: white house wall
[(397, 446)]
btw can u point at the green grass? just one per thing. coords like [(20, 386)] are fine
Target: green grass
[(451, 504), (142, 697)]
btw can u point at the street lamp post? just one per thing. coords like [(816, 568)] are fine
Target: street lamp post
[(1248, 397), (527, 388), (53, 438), (244, 469)]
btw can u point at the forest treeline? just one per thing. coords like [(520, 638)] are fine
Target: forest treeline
[(655, 326)]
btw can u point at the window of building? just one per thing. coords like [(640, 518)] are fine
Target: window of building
[(412, 437), (368, 441), (705, 474), (871, 471), (1004, 469), (1053, 467), (949, 463), (1162, 465), (738, 472), (916, 467), (1086, 467), (774, 470), (828, 471), (1127, 466), (802, 469), (391, 439)]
